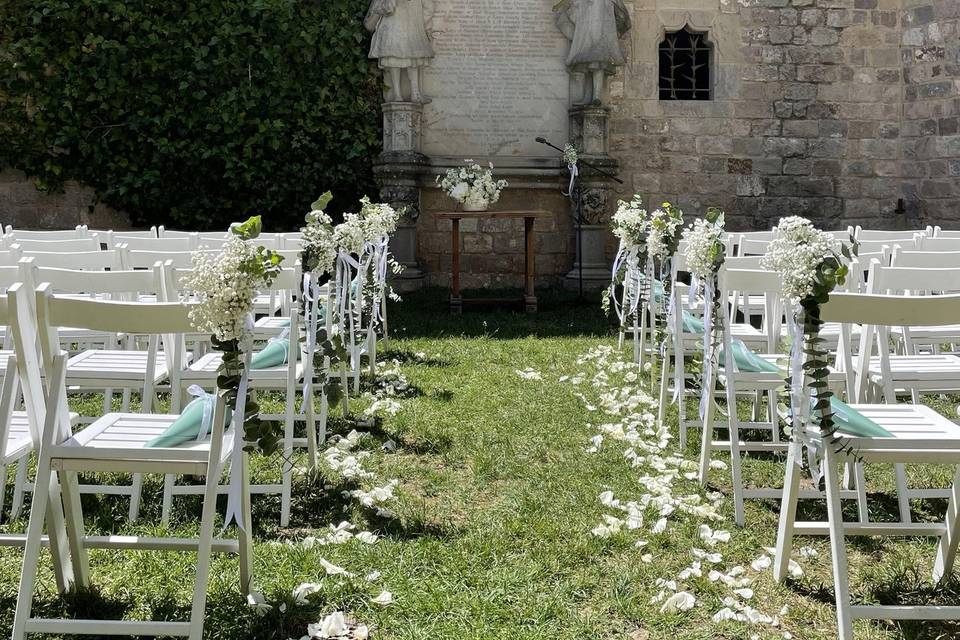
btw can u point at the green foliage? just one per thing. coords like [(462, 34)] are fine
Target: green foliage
[(191, 113)]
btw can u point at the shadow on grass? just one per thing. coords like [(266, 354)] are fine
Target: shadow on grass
[(426, 314)]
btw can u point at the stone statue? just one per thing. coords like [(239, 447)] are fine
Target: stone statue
[(594, 28), (401, 41)]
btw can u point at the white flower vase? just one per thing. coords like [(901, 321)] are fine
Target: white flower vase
[(476, 203)]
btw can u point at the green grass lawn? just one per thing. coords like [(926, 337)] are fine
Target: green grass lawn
[(491, 530)]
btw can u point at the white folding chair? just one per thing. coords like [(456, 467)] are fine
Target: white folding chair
[(143, 259), (919, 435), (163, 232), (755, 384), (944, 233), (286, 378), (117, 443), (926, 259)]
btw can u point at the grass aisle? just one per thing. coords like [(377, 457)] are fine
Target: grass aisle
[(491, 530)]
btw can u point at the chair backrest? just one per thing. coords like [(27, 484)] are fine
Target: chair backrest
[(929, 259), (117, 285), (944, 233), (17, 312), (751, 246), (163, 232), (912, 281), (109, 238), (88, 243), (183, 243), (925, 243), (80, 231), (271, 241), (748, 282), (146, 259), (113, 259), (878, 246), (890, 236)]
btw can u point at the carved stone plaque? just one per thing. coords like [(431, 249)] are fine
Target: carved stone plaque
[(498, 80)]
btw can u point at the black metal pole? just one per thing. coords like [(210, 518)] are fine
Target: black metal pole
[(580, 243)]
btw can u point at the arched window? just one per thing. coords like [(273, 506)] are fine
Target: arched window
[(685, 59)]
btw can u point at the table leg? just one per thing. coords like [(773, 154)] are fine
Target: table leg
[(530, 297), (456, 301)]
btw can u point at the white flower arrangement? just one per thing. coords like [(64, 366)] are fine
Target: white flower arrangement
[(374, 221), (797, 254), (631, 223), (472, 183), (705, 249), (665, 228), (570, 154), (319, 247), (225, 284)]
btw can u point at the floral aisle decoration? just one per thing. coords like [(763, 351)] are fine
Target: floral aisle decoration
[(472, 186), (224, 286), (360, 279), (811, 264), (705, 253), (318, 257), (629, 283), (572, 159), (666, 227)]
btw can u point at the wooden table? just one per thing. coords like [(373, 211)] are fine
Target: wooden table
[(529, 299)]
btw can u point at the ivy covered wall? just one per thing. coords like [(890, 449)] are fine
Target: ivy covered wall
[(191, 113)]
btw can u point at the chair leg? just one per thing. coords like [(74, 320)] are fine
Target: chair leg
[(861, 482), (246, 536), (706, 439), (73, 518), (902, 496), (772, 414), (788, 511), (135, 488), (838, 548), (204, 545), (125, 404), (947, 547), (664, 384), (107, 400), (46, 484), (167, 505), (736, 470), (681, 380), (19, 488), (288, 456)]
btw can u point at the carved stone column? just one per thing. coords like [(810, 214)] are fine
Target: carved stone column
[(588, 132), (396, 171)]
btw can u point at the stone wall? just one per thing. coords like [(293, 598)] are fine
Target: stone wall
[(931, 108), (817, 111), (22, 206)]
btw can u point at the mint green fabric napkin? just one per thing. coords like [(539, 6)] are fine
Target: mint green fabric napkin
[(851, 422), (747, 361), (189, 424), (272, 355), (691, 323)]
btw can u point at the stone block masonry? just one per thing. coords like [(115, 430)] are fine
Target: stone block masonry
[(833, 109)]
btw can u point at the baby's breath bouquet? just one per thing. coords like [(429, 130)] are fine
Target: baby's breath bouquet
[(224, 285), (472, 186), (811, 264), (666, 225), (318, 247), (631, 224)]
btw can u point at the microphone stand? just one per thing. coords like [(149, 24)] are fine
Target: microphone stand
[(579, 210)]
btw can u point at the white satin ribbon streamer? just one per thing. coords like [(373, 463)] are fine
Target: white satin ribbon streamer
[(234, 511), (574, 172), (800, 401), (627, 260), (707, 392)]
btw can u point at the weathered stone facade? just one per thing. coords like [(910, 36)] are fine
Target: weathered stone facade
[(831, 109), (22, 206)]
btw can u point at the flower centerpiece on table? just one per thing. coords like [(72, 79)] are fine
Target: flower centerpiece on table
[(631, 225), (472, 186), (225, 285), (811, 264)]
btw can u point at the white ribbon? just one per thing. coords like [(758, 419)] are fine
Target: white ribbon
[(799, 400), (574, 172), (234, 510), (208, 400), (627, 260), (707, 391), (311, 294)]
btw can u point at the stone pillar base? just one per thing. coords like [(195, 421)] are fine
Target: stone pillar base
[(596, 272)]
